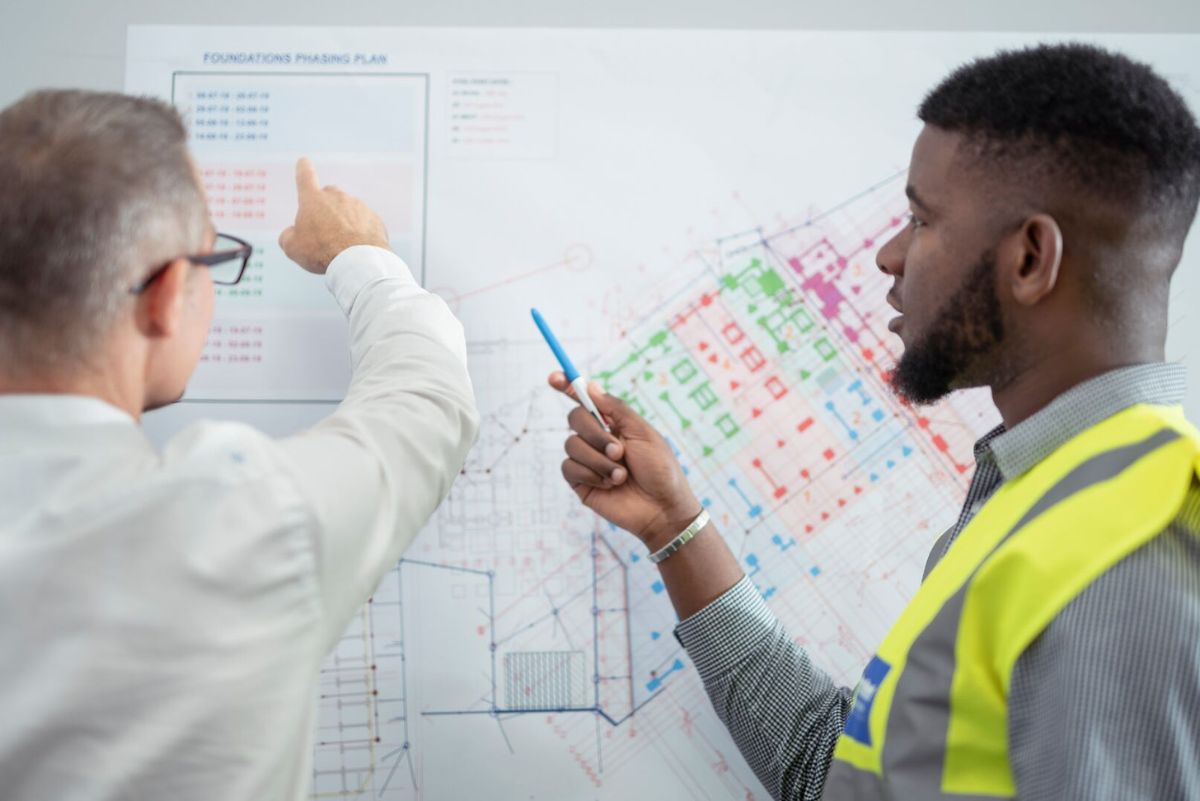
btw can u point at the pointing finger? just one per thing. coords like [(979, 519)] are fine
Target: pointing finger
[(306, 177)]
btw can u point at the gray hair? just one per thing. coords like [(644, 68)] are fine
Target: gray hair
[(96, 190)]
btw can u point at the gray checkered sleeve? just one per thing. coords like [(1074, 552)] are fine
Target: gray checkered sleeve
[(784, 713)]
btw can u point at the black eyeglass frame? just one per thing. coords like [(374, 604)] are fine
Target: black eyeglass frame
[(243, 251)]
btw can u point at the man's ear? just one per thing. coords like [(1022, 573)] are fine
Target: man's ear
[(1030, 259), (160, 305)]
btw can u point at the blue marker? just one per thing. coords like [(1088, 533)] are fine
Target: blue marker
[(577, 381)]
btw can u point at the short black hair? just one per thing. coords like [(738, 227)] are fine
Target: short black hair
[(1110, 124)]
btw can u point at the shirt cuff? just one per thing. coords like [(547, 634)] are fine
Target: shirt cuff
[(726, 631), (359, 266)]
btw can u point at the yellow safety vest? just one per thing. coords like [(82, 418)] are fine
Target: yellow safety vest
[(929, 719)]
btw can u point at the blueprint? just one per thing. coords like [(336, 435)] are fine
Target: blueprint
[(697, 214)]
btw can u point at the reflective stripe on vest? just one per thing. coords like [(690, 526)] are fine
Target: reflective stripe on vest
[(929, 720)]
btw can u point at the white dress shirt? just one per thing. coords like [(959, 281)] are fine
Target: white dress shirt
[(163, 615)]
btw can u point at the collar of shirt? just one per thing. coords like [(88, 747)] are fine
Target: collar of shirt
[(29, 417), (1016, 450)]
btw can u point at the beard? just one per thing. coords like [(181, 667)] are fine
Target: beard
[(961, 347)]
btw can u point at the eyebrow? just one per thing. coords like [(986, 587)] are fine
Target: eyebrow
[(915, 198)]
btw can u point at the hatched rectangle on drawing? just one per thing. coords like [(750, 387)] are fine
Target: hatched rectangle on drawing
[(753, 359), (704, 396), (546, 680), (733, 333), (825, 349), (684, 371)]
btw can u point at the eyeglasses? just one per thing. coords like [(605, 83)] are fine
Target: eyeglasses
[(227, 262)]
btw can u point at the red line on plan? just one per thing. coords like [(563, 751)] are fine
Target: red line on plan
[(778, 489)]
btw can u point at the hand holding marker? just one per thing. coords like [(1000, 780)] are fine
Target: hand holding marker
[(577, 381)]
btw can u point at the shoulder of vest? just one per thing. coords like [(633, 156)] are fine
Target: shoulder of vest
[(1141, 423), (1157, 417), (1101, 495)]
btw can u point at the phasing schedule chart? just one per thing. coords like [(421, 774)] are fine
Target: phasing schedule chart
[(365, 134)]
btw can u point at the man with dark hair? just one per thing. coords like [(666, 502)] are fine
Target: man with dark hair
[(1053, 648), (164, 614)]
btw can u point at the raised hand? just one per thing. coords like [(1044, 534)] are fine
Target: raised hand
[(327, 222), (629, 477)]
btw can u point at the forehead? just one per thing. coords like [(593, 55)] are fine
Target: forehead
[(936, 169)]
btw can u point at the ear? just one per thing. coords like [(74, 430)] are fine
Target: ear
[(160, 305), (1032, 257)]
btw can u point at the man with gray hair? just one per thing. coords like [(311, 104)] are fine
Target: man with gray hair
[(163, 614)]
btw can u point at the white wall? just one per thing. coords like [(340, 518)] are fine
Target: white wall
[(82, 42)]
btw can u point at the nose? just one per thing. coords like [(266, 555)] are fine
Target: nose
[(890, 258)]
